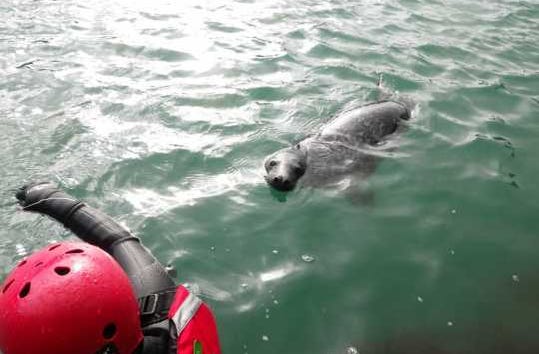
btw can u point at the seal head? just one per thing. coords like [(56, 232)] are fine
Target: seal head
[(285, 167)]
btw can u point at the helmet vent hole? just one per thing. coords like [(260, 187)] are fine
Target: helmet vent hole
[(54, 247), (75, 251), (7, 285), (22, 263), (38, 264), (62, 270), (25, 290), (109, 331)]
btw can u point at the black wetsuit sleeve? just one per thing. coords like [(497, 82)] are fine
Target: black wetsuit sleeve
[(147, 275)]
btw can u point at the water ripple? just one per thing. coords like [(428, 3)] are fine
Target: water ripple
[(161, 114)]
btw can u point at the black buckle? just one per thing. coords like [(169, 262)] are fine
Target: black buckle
[(154, 308), (149, 304)]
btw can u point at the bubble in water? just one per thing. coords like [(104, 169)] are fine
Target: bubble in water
[(307, 258), (276, 302), (352, 350), (244, 285), (453, 211), (265, 338), (515, 278), (449, 324), (452, 252), (212, 248), (20, 250), (275, 251), (420, 299)]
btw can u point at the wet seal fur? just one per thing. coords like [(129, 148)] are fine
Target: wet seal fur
[(342, 148)]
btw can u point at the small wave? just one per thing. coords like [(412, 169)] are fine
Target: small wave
[(150, 203)]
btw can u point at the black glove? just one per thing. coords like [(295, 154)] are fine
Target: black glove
[(46, 198), (89, 224)]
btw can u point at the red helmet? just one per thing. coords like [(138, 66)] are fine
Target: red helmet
[(69, 298)]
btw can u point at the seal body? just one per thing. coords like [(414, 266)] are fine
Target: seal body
[(343, 147)]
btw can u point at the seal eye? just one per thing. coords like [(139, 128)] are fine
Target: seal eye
[(272, 163), (298, 171), (298, 147)]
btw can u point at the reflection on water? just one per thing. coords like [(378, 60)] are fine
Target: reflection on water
[(161, 113), (278, 274)]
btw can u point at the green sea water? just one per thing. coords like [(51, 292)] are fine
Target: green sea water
[(160, 113)]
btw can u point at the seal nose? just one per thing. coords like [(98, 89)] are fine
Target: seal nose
[(277, 180), (281, 183)]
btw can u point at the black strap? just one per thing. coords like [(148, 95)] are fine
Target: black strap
[(154, 307)]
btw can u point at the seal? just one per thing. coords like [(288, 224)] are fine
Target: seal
[(343, 147)]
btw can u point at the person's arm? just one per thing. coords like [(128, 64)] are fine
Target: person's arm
[(147, 275)]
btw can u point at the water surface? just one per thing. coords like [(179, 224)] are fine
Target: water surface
[(161, 112)]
